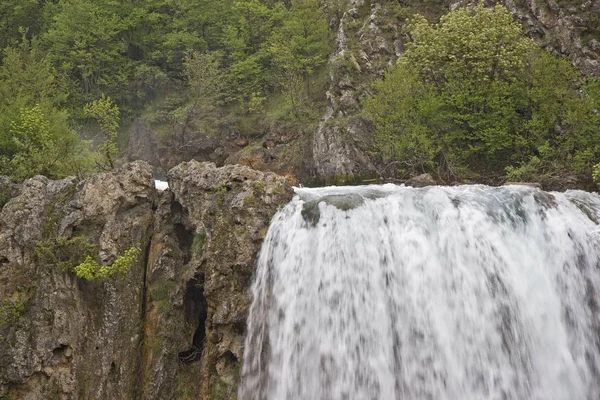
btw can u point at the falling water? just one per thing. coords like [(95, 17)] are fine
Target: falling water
[(464, 293)]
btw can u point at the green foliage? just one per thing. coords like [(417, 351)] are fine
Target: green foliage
[(472, 93), (35, 137), (84, 45), (204, 66), (13, 307), (106, 112), (207, 90), (198, 244), (299, 48), (160, 291), (596, 174), (90, 269), (64, 255)]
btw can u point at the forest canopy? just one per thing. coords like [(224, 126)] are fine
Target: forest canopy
[(470, 98), (66, 66)]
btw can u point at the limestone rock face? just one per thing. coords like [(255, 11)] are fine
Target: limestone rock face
[(570, 28), (173, 327), (567, 28), (342, 141), (62, 337), (227, 211)]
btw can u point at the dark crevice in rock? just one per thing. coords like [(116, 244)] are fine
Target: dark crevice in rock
[(60, 351), (195, 309), (185, 238), (144, 312)]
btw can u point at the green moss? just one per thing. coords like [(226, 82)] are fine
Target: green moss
[(160, 291), (4, 198), (188, 383), (157, 347), (586, 210), (198, 244), (250, 200), (258, 187), (53, 212), (13, 308), (221, 190)]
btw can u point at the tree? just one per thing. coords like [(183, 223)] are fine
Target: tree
[(106, 113), (84, 45), (35, 137), (245, 42), (300, 46), (206, 84), (473, 93), (18, 16)]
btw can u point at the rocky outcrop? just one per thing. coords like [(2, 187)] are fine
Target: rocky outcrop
[(420, 181), (173, 326), (342, 141), (63, 337), (569, 28), (209, 229)]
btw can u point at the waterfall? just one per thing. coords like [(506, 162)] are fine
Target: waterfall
[(440, 293)]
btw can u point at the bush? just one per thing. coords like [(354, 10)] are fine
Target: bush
[(90, 269), (473, 94), (13, 308), (64, 255)]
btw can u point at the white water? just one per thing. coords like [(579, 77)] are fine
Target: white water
[(464, 293)]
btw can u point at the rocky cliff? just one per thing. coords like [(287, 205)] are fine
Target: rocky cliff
[(173, 325)]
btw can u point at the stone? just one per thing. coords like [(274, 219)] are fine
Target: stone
[(74, 337), (421, 181), (174, 323), (529, 184), (344, 202), (241, 142)]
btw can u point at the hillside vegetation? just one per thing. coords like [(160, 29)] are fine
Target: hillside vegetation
[(83, 65), (470, 98)]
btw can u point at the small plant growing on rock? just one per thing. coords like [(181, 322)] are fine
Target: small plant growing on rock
[(13, 308), (65, 254), (90, 269), (198, 244)]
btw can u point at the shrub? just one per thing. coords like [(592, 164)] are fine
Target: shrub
[(90, 269), (64, 255), (473, 94)]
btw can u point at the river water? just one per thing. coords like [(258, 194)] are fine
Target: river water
[(449, 293)]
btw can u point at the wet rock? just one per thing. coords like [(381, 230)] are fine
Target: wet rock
[(421, 181), (241, 142), (311, 212), (224, 213)]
